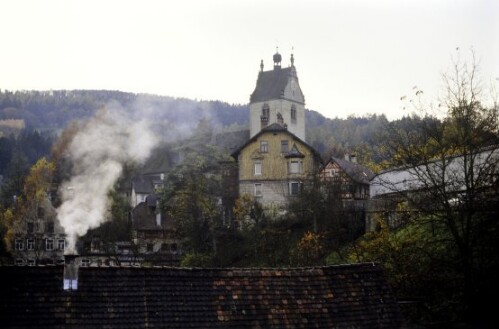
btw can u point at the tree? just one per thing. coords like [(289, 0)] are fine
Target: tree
[(451, 177), (191, 199), (33, 202), (321, 206), (13, 185)]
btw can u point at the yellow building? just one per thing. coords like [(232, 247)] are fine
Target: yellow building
[(273, 165)]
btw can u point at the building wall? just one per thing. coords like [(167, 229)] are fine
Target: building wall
[(41, 240), (275, 176), (283, 106)]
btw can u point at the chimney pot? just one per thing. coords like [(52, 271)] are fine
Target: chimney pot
[(71, 268)]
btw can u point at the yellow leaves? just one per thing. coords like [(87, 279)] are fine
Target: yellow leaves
[(39, 180), (309, 249), (9, 218), (243, 206)]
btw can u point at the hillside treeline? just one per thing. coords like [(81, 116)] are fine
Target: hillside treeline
[(53, 111)]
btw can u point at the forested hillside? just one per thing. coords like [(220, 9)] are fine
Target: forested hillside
[(50, 112)]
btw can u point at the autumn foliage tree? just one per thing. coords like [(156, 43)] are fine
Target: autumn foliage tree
[(454, 162), (33, 201)]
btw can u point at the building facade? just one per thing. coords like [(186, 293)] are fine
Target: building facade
[(273, 165), (39, 239)]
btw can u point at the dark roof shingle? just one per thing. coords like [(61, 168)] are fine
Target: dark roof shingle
[(347, 296)]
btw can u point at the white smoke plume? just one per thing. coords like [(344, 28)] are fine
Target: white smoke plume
[(113, 137)]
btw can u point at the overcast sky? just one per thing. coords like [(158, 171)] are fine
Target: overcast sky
[(352, 56)]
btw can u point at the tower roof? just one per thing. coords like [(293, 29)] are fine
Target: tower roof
[(271, 84)]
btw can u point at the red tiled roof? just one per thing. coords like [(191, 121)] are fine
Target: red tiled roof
[(347, 296)]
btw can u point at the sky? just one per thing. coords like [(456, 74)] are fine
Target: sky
[(353, 57)]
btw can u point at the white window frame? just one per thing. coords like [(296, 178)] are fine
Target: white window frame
[(257, 168), (30, 244), (264, 146), (49, 244), (258, 189), (61, 244), (31, 262), (295, 167), (19, 244)]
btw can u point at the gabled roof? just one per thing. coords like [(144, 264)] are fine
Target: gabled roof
[(274, 128), (294, 153), (357, 172), (145, 183), (346, 296), (415, 177), (271, 84)]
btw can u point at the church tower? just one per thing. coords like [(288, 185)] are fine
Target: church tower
[(277, 98)]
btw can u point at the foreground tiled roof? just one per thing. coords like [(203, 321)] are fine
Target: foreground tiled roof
[(350, 296)]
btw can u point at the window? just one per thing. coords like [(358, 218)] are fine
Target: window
[(264, 146), (31, 227), (294, 188), (61, 244), (295, 167), (50, 227), (19, 262), (31, 262), (258, 168), (31, 244), (49, 244), (332, 172), (19, 244), (258, 190), (293, 113), (265, 110), (149, 247), (85, 262), (284, 147)]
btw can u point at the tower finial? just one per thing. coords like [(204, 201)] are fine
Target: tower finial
[(277, 59), (261, 65)]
